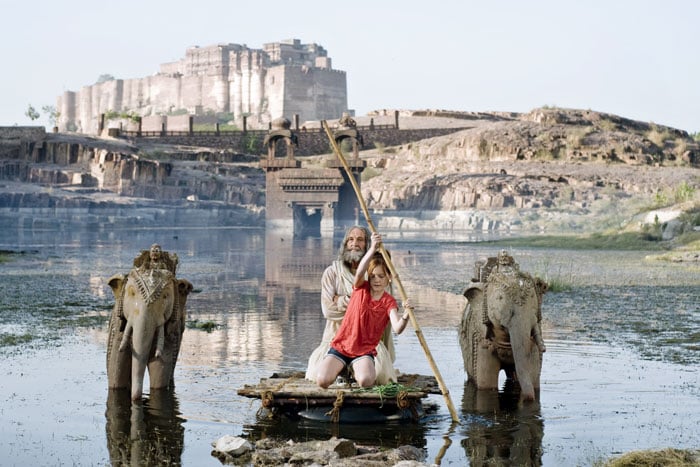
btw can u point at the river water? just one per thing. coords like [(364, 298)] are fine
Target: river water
[(620, 372)]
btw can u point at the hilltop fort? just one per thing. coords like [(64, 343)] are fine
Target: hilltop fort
[(283, 78)]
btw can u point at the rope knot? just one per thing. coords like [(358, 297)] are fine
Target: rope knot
[(267, 399), (402, 400), (334, 413)]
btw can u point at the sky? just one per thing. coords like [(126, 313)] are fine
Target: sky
[(638, 59)]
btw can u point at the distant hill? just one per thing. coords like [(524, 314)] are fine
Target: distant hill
[(550, 169)]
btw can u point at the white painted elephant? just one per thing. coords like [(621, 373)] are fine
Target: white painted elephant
[(501, 326), (147, 323)]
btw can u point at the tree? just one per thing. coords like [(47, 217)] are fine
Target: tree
[(105, 77), (32, 113), (52, 113)]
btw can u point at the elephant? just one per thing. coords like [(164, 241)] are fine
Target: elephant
[(501, 326), (147, 323)]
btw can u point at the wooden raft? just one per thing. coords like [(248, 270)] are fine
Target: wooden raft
[(293, 392)]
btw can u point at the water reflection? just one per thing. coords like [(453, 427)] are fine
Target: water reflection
[(149, 432), (384, 435), (501, 430), (263, 291)]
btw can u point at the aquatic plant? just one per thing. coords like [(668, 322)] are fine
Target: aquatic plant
[(207, 326)]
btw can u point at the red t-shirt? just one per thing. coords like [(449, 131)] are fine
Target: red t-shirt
[(364, 322)]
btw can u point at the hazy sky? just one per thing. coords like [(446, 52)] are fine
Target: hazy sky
[(639, 59)]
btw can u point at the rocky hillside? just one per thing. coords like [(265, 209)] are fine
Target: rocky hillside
[(550, 169)]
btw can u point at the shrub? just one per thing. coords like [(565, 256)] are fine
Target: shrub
[(369, 173), (684, 192), (659, 136)]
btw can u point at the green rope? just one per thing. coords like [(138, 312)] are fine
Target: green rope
[(389, 390)]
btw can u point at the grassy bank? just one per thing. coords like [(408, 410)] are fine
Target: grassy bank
[(604, 241), (665, 457)]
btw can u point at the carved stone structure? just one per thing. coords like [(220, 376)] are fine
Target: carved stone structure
[(147, 322), (349, 209), (501, 326), (282, 78), (309, 201)]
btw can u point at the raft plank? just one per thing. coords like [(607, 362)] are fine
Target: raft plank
[(293, 389)]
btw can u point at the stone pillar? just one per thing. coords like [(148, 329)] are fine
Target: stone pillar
[(245, 124), (327, 218), (190, 125), (290, 148), (296, 122), (396, 119)]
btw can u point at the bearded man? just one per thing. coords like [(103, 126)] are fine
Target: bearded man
[(336, 287)]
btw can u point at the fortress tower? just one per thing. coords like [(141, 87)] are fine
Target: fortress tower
[(281, 79)]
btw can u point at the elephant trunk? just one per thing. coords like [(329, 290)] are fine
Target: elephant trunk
[(141, 350), (138, 369), (522, 348)]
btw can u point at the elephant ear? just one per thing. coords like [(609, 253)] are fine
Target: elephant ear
[(541, 288), (477, 298), (184, 287), (115, 283), (471, 292)]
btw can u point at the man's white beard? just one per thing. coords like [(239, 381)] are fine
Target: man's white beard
[(353, 256)]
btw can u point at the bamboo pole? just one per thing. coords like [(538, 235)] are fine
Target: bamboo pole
[(394, 275)]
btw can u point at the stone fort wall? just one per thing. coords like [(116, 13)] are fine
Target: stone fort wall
[(312, 142), (282, 78)]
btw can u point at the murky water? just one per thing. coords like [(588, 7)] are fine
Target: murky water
[(620, 372)]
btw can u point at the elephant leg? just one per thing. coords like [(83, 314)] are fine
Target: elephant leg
[(158, 372), (487, 368), (161, 369), (118, 362), (536, 365)]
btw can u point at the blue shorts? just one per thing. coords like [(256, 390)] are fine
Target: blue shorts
[(347, 361)]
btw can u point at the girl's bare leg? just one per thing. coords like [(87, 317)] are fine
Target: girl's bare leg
[(364, 371), (329, 368)]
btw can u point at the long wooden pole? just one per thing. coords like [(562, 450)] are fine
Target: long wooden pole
[(394, 274)]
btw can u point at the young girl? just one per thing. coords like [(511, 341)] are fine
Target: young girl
[(369, 311)]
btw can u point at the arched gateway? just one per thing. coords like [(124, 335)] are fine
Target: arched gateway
[(309, 201)]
